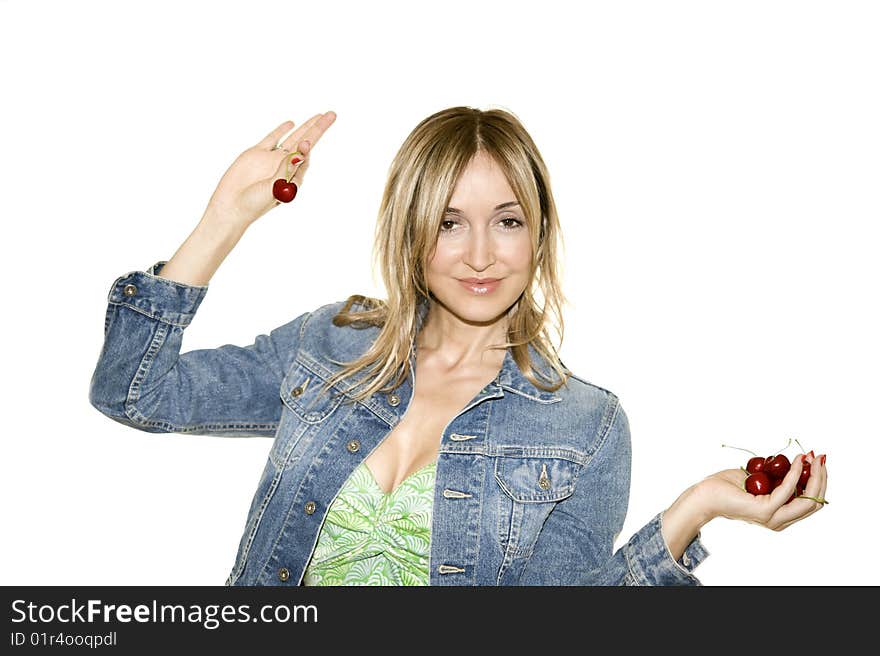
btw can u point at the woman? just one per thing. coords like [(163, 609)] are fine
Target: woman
[(500, 467)]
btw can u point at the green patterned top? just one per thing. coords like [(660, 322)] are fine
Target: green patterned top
[(373, 538)]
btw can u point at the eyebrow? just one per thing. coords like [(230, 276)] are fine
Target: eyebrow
[(509, 203)]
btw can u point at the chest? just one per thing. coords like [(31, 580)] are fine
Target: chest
[(415, 441)]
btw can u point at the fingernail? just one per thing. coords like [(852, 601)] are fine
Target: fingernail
[(822, 458), (296, 160), (812, 455)]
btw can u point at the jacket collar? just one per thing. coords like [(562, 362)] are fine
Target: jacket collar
[(512, 379)]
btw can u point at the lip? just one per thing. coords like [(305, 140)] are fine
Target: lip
[(480, 286)]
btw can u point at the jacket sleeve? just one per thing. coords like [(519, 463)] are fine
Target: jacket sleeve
[(576, 545), (143, 381)]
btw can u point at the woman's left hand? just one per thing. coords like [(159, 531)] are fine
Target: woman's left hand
[(725, 495)]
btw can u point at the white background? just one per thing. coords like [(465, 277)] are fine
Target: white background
[(716, 171)]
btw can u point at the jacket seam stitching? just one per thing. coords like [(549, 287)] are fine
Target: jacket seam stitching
[(606, 430), (143, 370), (156, 316), (258, 518)]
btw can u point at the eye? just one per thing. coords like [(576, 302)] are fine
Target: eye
[(444, 221), (516, 222)]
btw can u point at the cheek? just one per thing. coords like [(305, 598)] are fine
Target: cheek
[(442, 259), (519, 254)]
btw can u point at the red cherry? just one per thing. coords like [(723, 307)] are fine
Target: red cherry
[(755, 464), (777, 466), (758, 483), (283, 190)]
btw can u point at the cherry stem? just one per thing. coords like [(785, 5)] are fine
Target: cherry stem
[(739, 449), (803, 450), (784, 448), (816, 499)]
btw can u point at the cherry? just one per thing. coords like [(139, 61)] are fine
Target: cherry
[(284, 190), (755, 464), (758, 483), (777, 466)]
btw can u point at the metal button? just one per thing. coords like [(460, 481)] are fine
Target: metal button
[(353, 445), (284, 574), (129, 290), (296, 391), (310, 507), (544, 480), (393, 399)]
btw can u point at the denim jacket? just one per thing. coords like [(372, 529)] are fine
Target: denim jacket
[(532, 487)]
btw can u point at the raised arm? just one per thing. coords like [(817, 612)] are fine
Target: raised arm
[(141, 378)]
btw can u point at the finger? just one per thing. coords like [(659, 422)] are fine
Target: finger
[(782, 493), (300, 171), (801, 507), (793, 511), (272, 138), (816, 485), (312, 134), (821, 474), (291, 140), (291, 166), (283, 143)]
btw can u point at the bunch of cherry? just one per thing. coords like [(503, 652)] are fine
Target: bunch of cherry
[(766, 473)]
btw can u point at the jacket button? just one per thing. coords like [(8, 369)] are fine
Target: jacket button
[(393, 399), (544, 483), (310, 507), (353, 445), (284, 574), (129, 290), (296, 391)]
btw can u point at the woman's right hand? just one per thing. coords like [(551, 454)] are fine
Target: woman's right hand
[(244, 193)]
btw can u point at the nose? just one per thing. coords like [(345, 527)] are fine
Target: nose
[(479, 252)]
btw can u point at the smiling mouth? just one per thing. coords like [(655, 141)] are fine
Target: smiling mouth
[(482, 287)]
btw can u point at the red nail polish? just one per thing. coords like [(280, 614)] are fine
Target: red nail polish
[(295, 160), (812, 455), (823, 459)]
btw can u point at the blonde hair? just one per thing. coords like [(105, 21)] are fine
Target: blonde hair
[(420, 184)]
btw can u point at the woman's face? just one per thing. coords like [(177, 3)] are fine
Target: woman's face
[(483, 235)]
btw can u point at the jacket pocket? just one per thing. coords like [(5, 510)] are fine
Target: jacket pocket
[(307, 409), (536, 479), (531, 484), (302, 392)]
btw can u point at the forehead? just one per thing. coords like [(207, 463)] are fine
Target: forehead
[(482, 180)]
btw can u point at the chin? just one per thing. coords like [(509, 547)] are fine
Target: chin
[(475, 309)]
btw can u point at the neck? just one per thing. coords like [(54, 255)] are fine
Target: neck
[(454, 343)]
